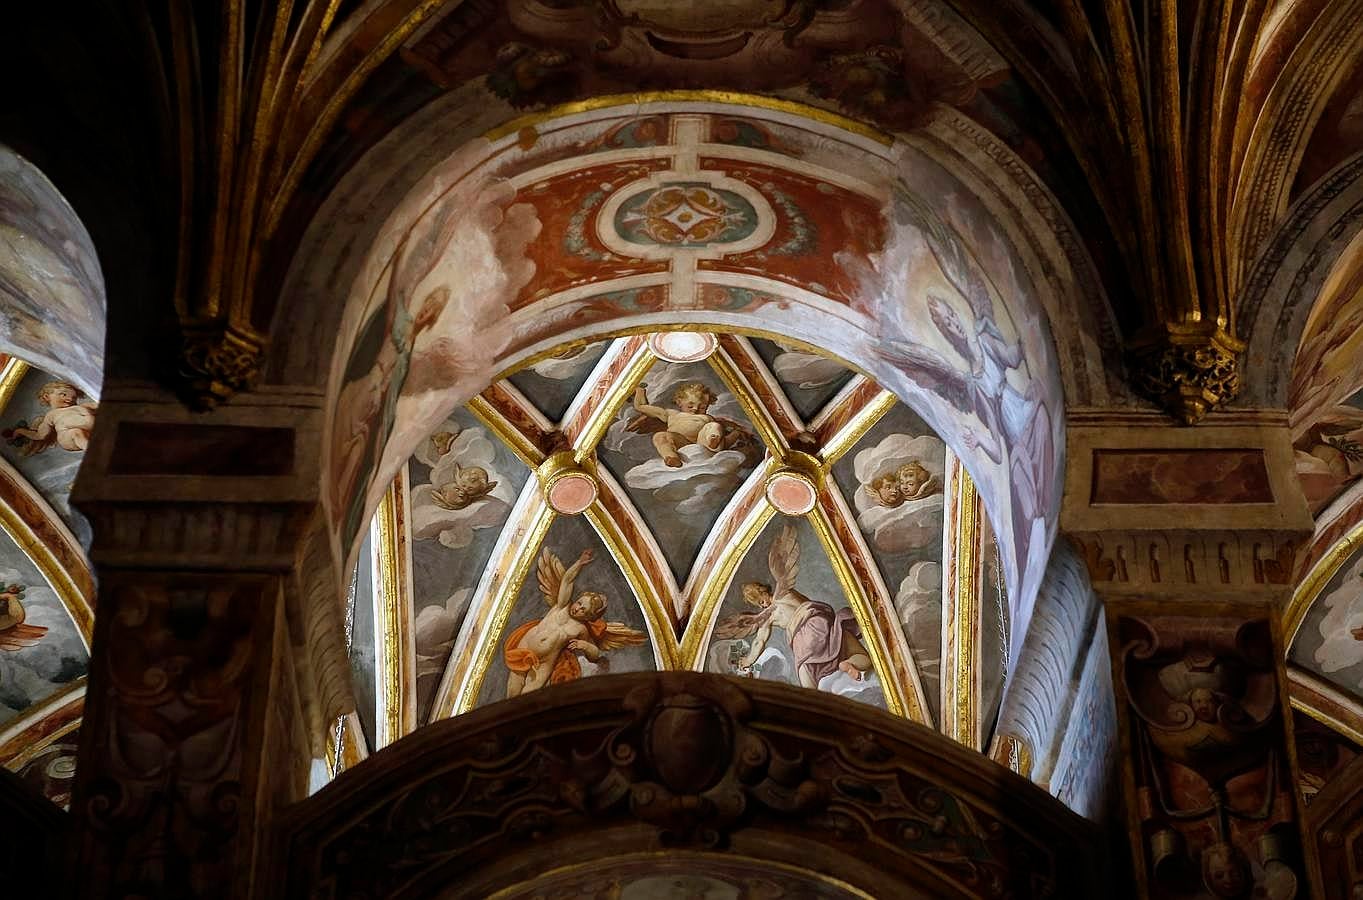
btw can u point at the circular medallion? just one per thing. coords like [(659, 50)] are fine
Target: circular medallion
[(791, 492), (682, 346), (571, 493)]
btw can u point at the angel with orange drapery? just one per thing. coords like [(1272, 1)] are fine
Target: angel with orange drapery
[(545, 651), (14, 634)]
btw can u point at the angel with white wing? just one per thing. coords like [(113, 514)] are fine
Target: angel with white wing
[(824, 640), (545, 651)]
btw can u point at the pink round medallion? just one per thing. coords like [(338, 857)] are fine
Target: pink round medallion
[(572, 493), (682, 346), (790, 493)]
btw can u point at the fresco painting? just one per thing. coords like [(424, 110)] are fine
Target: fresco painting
[(575, 617), (40, 648), (1326, 412), (976, 369), (894, 482), (938, 305), (454, 528), (47, 426), (51, 287), (360, 631), (809, 380), (681, 446), (554, 382), (1329, 642), (785, 617), (411, 347)]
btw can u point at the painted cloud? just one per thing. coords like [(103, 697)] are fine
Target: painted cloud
[(914, 523), (1342, 625), (432, 516)]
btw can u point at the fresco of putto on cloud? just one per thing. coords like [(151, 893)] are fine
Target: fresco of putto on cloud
[(466, 492), (900, 502), (689, 474)]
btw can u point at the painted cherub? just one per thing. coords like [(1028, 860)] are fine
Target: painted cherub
[(687, 422), (884, 490), (14, 634), (544, 651), (67, 422), (442, 441), (822, 639), (469, 485), (916, 482)]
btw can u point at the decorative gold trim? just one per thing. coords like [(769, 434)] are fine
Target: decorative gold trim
[(508, 434), (697, 859), (701, 622), (895, 698), (1012, 751), (10, 376), (395, 669), (53, 572), (862, 421), (767, 429), (1294, 614), (612, 334), (881, 603), (654, 608), (599, 419), (354, 748), (1320, 700), (959, 716), (729, 98), (502, 601), (14, 750)]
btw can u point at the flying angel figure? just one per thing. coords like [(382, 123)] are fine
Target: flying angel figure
[(823, 640), (544, 651), (1011, 418)]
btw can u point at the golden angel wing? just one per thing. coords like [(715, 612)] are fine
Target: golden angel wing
[(618, 634), (784, 561), (550, 575)]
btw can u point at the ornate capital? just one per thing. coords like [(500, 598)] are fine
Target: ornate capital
[(1189, 370), (216, 361)]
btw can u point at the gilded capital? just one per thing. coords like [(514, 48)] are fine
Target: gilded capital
[(217, 361), (1189, 370)]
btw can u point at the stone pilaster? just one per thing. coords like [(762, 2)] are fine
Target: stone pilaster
[(1189, 536), (201, 716)]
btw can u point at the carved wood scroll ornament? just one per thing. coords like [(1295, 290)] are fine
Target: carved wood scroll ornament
[(614, 765)]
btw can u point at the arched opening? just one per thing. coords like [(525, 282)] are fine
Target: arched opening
[(537, 235)]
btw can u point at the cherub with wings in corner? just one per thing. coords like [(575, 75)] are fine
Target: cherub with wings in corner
[(824, 640), (544, 651)]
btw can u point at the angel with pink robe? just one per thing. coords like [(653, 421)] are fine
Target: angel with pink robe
[(823, 640)]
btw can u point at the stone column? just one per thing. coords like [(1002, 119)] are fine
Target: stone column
[(1189, 536), (200, 719)]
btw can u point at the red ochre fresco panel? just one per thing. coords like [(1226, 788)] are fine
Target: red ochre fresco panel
[(825, 233), (567, 252), (1180, 476)]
